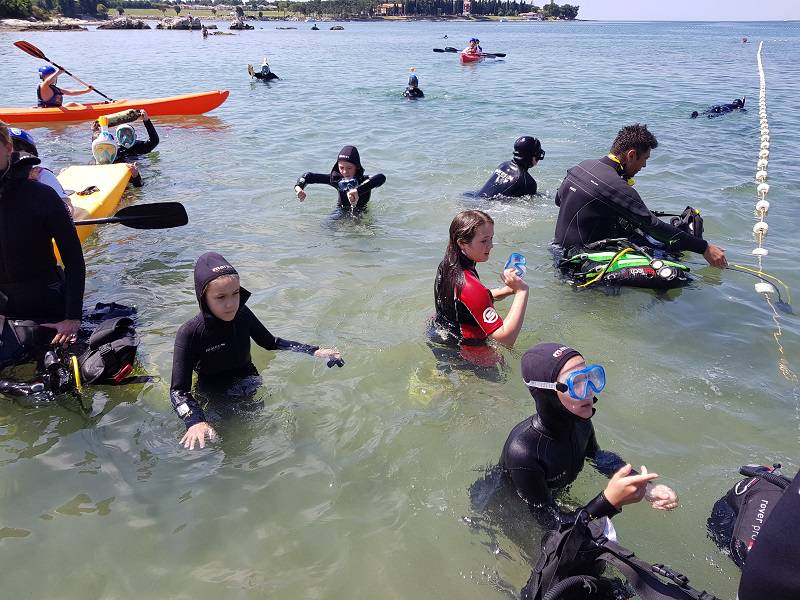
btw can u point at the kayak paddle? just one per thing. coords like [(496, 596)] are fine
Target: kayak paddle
[(493, 54), (158, 215), (29, 48), (446, 49)]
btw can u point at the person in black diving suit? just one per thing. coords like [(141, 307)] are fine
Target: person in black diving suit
[(32, 285), (216, 344), (512, 178), (413, 91), (265, 74), (721, 109), (597, 201), (545, 453), (348, 178)]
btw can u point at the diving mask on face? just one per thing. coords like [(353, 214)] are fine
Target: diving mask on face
[(104, 151), (126, 136), (580, 385)]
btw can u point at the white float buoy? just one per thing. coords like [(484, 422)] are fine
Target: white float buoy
[(760, 252), (764, 287), (765, 145), (763, 154), (761, 228), (762, 206), (762, 163), (761, 176), (762, 188)]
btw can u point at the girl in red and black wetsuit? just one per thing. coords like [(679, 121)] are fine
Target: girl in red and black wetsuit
[(464, 306)]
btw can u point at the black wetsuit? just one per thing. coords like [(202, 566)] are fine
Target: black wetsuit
[(595, 203), (771, 568), (509, 179), (413, 92), (32, 215), (365, 185), (265, 76), (721, 109), (140, 146), (219, 351)]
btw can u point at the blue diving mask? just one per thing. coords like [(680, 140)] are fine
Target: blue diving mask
[(347, 184), (580, 385)]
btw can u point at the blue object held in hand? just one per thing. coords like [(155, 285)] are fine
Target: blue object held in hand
[(517, 262), (347, 184)]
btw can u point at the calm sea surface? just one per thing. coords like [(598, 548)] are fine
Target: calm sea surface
[(352, 483)]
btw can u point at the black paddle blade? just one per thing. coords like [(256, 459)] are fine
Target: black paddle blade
[(438, 50), (159, 215), (450, 49), (29, 48)]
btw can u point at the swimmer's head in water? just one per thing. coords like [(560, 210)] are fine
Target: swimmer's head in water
[(412, 80), (216, 284), (528, 150), (104, 151), (126, 135), (553, 363), (695, 114), (738, 103), (348, 163)]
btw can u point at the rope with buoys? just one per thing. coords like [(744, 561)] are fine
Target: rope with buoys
[(763, 287)]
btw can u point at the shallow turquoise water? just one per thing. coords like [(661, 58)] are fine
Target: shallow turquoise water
[(352, 483)]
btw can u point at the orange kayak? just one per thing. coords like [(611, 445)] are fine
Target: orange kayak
[(466, 57), (188, 104)]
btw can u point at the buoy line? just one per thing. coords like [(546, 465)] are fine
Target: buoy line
[(760, 229)]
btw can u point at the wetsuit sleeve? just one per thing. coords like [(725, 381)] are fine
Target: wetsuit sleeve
[(478, 301), (266, 340), (142, 147), (631, 207), (308, 178), (59, 224), (605, 461), (370, 183), (136, 181), (180, 393)]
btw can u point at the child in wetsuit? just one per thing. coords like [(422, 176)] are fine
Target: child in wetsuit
[(347, 176), (216, 343)]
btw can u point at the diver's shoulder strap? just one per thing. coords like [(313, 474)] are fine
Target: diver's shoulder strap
[(646, 577)]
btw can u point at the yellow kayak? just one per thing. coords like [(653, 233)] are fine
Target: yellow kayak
[(110, 181)]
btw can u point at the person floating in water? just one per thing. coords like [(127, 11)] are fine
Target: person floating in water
[(127, 144), (347, 176), (413, 91), (511, 178), (721, 109), (49, 94), (216, 343), (265, 74)]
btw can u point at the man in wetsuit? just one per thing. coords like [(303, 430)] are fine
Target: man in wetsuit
[(546, 452), (413, 91), (32, 286), (512, 178), (128, 146), (49, 94), (721, 109), (597, 201)]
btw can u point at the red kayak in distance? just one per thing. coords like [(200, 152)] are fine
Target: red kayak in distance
[(468, 57), (188, 104)]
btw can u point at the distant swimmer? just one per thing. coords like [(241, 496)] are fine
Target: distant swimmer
[(721, 109), (511, 178), (265, 74), (49, 94), (413, 91)]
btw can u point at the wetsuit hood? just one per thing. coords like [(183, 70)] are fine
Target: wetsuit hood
[(351, 155), (19, 167), (526, 150), (543, 362), (209, 267)]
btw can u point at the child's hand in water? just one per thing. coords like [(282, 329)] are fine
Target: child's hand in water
[(197, 434), (332, 354), (352, 196), (301, 195), (661, 497)]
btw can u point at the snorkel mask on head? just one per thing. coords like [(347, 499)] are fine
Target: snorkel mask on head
[(126, 135), (347, 183)]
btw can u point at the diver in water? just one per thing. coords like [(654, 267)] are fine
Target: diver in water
[(413, 91), (597, 202), (265, 74), (347, 176), (511, 178), (128, 146), (216, 343), (721, 109), (545, 453)]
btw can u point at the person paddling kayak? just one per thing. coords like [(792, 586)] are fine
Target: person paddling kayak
[(32, 285), (49, 94), (473, 47)]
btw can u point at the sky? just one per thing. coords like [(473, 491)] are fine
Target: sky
[(686, 10)]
